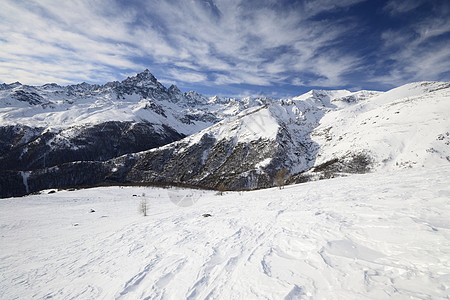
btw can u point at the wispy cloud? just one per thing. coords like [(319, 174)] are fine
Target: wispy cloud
[(395, 7), (62, 38), (235, 41), (419, 51), (219, 42)]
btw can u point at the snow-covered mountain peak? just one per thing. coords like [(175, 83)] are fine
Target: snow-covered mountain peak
[(194, 98), (427, 86), (404, 127), (52, 87), (175, 95), (322, 97), (354, 97), (81, 89), (144, 79), (173, 89), (219, 100), (250, 125), (5, 86)]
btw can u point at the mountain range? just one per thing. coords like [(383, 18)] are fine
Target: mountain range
[(139, 132)]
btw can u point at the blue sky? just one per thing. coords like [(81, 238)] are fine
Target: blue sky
[(228, 47)]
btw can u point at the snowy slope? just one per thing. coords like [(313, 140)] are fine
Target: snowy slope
[(319, 134), (371, 236), (408, 126), (240, 152)]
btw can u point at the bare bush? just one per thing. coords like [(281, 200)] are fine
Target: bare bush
[(143, 206), (221, 189), (280, 177)]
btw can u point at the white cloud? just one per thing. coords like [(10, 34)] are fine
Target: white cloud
[(41, 42), (187, 76), (226, 38), (221, 42)]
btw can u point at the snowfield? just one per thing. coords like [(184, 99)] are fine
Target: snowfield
[(371, 236)]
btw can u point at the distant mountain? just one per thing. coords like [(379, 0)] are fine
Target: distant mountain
[(139, 131), (49, 125)]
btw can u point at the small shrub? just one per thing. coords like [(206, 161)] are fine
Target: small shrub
[(280, 177), (220, 189), (143, 206)]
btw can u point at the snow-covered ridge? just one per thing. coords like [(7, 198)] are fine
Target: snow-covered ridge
[(404, 127), (141, 98), (138, 130)]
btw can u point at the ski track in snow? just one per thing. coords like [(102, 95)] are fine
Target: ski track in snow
[(372, 236)]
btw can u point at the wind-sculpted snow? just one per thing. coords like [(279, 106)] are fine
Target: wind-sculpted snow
[(371, 236)]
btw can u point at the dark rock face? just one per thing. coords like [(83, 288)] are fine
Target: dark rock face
[(354, 163), (12, 137), (87, 143), (211, 163), (72, 174), (29, 97), (207, 163), (11, 184), (49, 157)]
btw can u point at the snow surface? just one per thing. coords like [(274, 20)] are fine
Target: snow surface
[(251, 124), (371, 236)]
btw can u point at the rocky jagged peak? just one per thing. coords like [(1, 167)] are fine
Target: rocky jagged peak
[(80, 89), (82, 86), (5, 86), (195, 98), (111, 84), (143, 79), (175, 94), (85, 85), (174, 90), (51, 86), (144, 84), (219, 100), (146, 76)]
